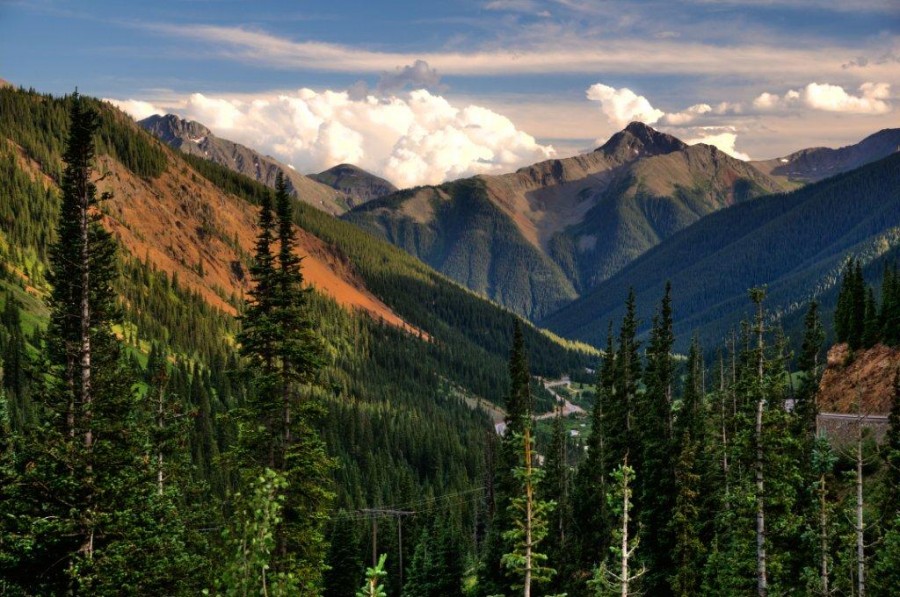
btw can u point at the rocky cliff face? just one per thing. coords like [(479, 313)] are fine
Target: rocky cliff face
[(866, 376), (196, 139)]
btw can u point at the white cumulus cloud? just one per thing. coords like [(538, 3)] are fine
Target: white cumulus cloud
[(834, 99), (721, 140), (872, 99), (622, 106), (138, 109), (688, 115), (412, 138)]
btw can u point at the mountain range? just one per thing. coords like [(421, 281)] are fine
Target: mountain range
[(549, 239), (795, 243), (817, 163), (334, 191), (542, 237), (194, 221)]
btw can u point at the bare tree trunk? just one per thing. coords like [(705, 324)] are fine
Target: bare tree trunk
[(724, 427), (860, 539), (625, 552), (529, 498), (85, 353), (160, 425), (761, 578), (286, 405), (761, 581), (823, 535)]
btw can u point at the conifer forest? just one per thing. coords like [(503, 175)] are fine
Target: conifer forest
[(639, 371)]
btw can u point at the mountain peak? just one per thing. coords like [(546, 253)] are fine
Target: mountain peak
[(170, 127), (637, 140), (359, 185)]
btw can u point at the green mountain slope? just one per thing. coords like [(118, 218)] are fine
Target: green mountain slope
[(538, 238), (396, 419), (795, 243)]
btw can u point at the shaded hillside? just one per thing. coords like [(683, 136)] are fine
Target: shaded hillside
[(357, 184), (457, 229), (795, 243), (572, 222), (196, 139), (817, 163)]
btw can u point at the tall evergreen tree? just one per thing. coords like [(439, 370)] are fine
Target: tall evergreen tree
[(493, 578), (529, 514), (555, 488), (620, 420), (690, 489), (589, 503), (83, 476), (885, 576), (809, 364), (278, 432), (871, 325), (654, 426)]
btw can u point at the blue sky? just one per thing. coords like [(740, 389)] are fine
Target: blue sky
[(425, 91)]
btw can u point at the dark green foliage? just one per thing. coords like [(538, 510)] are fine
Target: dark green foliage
[(437, 567), (39, 124), (656, 485), (82, 514), (809, 364), (345, 566), (493, 577), (555, 488), (589, 503), (886, 572), (692, 489), (858, 319), (277, 429)]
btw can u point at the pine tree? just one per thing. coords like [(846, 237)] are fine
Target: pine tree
[(493, 575), (530, 522), (654, 426), (616, 576), (809, 364), (685, 524), (624, 440), (885, 573), (871, 326), (436, 568), (374, 579), (85, 496), (555, 488), (858, 302), (344, 567), (819, 572), (889, 316), (757, 295), (589, 499), (277, 428)]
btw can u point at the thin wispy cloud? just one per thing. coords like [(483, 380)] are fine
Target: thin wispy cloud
[(540, 56)]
